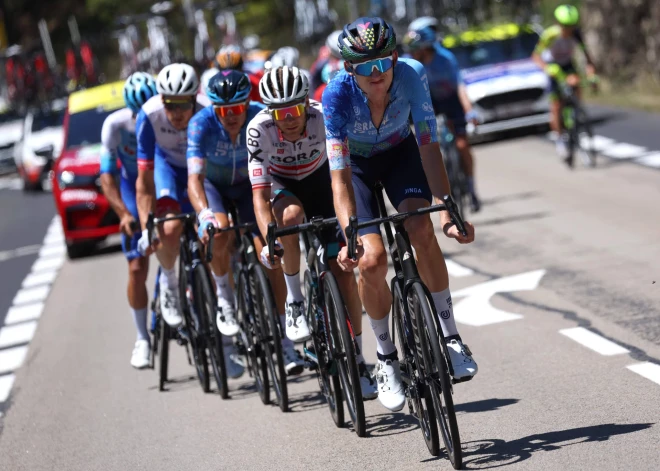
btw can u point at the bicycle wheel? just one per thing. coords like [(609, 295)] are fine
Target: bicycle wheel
[(164, 347), (206, 306), (250, 328), (271, 337), (585, 137), (457, 182), (329, 383), (568, 117), (343, 351), (418, 391), (435, 363)]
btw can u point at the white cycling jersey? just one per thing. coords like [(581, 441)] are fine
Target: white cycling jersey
[(271, 155), (118, 143)]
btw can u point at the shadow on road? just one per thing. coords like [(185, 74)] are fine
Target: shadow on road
[(512, 197), (178, 383), (495, 453), (307, 401), (390, 424), (485, 405), (513, 218)]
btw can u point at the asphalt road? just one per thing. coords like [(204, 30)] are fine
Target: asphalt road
[(556, 299)]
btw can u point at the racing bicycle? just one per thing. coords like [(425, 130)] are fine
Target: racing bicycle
[(333, 355), (457, 178), (425, 367)]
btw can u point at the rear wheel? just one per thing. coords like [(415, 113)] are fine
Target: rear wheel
[(585, 137)]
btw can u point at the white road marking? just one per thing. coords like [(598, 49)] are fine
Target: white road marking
[(52, 250), (6, 382), (593, 341), (599, 143), (623, 150), (17, 334), (19, 252), (24, 313), (12, 359), (31, 295), (36, 279), (47, 264), (54, 238), (648, 370), (457, 270), (651, 160), (476, 309), (14, 183)]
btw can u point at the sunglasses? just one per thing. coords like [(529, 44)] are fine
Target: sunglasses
[(179, 105), (365, 69), (295, 111), (222, 111)]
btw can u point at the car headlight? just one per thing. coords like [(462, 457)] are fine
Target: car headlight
[(68, 179)]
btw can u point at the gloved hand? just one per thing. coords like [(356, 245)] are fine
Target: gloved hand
[(143, 245), (265, 256), (205, 218)]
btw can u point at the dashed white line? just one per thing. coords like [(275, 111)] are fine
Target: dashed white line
[(12, 335), (650, 160), (36, 279), (593, 341), (12, 359), (623, 150), (52, 250), (28, 312), (647, 369), (457, 270), (47, 264), (19, 252), (31, 295), (6, 382), (54, 238)]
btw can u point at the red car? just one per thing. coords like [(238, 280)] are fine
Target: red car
[(86, 215)]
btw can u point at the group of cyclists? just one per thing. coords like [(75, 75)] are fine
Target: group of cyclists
[(261, 143)]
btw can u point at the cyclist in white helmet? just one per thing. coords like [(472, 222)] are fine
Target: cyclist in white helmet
[(162, 170), (288, 168)]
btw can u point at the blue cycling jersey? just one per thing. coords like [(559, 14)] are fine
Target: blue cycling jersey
[(349, 128), (444, 73), (211, 152), (118, 142)]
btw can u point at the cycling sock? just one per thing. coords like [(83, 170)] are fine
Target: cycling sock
[(227, 341), (286, 343), (168, 278), (140, 318), (381, 328), (223, 288), (293, 291), (443, 307), (358, 354)]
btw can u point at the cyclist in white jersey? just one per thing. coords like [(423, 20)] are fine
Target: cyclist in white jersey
[(290, 175), (118, 143), (162, 170)]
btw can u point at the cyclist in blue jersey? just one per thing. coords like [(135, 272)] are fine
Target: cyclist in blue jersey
[(162, 182), (119, 144), (448, 93), (369, 140)]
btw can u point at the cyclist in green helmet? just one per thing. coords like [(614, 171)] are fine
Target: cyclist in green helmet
[(557, 46)]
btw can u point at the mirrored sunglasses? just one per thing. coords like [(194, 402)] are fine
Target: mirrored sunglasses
[(365, 69), (295, 111), (222, 111)]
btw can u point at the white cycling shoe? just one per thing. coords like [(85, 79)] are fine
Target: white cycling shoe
[(233, 364), (368, 383), (293, 361), (461, 359), (140, 356), (390, 387), (169, 307), (297, 329), (226, 318)]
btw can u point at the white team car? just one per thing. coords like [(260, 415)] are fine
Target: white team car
[(506, 88), (11, 128), (41, 143)]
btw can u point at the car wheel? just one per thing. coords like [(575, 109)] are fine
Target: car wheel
[(30, 187)]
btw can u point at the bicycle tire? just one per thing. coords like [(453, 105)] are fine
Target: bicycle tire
[(582, 121), (250, 328), (570, 132), (272, 339), (329, 383), (164, 347), (456, 181), (207, 304), (344, 352), (436, 364), (418, 392)]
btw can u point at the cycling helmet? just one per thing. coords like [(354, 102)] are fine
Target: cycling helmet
[(230, 57), (285, 56), (423, 22), (332, 43), (283, 85), (138, 88), (206, 76), (178, 80), (567, 15), (419, 38), (366, 38), (229, 86)]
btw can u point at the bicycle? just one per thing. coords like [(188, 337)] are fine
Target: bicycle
[(425, 369), (458, 182), (198, 306), (333, 338), (260, 338)]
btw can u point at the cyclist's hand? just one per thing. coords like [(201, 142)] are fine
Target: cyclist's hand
[(452, 232), (573, 80), (345, 262), (472, 117), (143, 243), (265, 256), (125, 224), (205, 218)]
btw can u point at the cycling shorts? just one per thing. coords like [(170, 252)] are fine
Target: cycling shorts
[(128, 196), (567, 69), (221, 199), (315, 194), (452, 108), (400, 171), (171, 187)]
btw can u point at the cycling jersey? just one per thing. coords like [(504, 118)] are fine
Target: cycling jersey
[(272, 155), (118, 142), (156, 136), (211, 152), (444, 73), (348, 123), (558, 48)]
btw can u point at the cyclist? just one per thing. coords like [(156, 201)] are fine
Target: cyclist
[(367, 108), (231, 58), (327, 53), (217, 159), (290, 179), (119, 143), (162, 175), (556, 46), (448, 93)]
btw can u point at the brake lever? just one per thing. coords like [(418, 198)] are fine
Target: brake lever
[(209, 249), (150, 227), (351, 235), (270, 239), (454, 214)]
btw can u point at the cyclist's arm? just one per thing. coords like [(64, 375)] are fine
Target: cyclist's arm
[(146, 148), (196, 161), (258, 170), (109, 142), (343, 195), (580, 41), (547, 37)]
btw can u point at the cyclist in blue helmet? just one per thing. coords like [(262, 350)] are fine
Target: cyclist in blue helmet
[(369, 140), (448, 93), (119, 145), (217, 158)]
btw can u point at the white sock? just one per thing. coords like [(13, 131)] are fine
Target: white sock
[(286, 343), (223, 288), (293, 291), (358, 341), (384, 344), (140, 318), (443, 306), (168, 278)]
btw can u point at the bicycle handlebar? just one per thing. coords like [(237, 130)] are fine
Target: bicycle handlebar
[(314, 224), (187, 217)]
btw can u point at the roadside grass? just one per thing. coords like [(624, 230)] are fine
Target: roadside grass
[(642, 94)]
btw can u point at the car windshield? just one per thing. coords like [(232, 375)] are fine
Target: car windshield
[(495, 52), (47, 120), (85, 127), (9, 116)]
